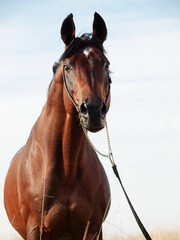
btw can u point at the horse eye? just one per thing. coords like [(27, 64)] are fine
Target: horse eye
[(106, 65), (67, 68)]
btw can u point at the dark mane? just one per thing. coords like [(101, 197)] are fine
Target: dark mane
[(77, 44)]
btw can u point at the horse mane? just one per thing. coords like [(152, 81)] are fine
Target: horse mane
[(78, 43)]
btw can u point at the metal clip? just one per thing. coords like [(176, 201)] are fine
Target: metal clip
[(111, 158)]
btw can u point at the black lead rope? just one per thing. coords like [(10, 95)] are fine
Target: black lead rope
[(141, 226)]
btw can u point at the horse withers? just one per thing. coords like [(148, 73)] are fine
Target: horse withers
[(56, 187)]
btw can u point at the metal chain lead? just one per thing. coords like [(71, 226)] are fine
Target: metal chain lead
[(109, 155)]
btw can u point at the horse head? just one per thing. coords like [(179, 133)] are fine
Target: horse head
[(86, 73)]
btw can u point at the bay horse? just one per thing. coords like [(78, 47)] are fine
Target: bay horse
[(56, 187)]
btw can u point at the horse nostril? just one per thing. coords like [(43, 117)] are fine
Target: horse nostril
[(103, 109), (83, 108)]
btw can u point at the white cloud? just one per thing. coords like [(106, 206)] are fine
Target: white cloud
[(146, 54)]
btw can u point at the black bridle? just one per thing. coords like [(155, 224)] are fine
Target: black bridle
[(67, 90)]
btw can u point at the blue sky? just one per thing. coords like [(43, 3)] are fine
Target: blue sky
[(144, 51)]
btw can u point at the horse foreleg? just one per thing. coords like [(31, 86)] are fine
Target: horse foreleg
[(96, 236), (33, 234), (99, 237)]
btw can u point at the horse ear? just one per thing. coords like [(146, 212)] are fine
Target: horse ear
[(68, 30), (99, 28)]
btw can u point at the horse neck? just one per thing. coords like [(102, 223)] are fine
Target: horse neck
[(64, 138)]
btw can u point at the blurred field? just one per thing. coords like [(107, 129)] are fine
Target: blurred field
[(157, 235)]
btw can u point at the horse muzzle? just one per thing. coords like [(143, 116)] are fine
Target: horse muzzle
[(93, 114)]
